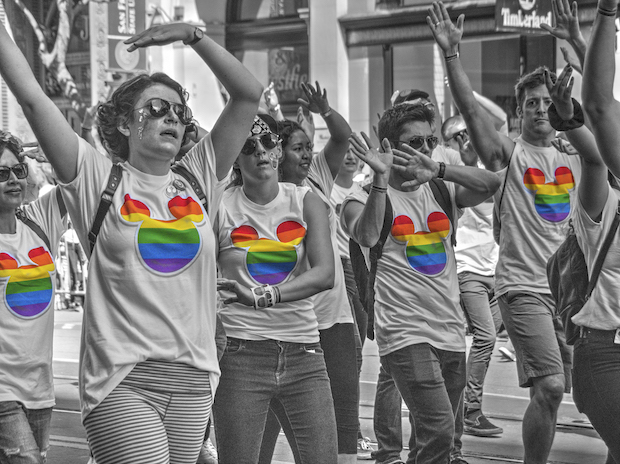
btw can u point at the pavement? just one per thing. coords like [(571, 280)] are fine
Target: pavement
[(504, 403)]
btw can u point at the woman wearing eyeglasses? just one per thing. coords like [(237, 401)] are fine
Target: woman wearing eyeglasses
[(274, 257), (29, 239), (148, 364)]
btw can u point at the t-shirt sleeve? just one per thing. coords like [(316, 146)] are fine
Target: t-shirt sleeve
[(358, 195), (45, 211), (590, 233), (200, 161), (321, 174)]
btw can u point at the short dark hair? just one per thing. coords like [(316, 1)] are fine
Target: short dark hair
[(530, 81), (13, 144), (393, 119), (118, 110)]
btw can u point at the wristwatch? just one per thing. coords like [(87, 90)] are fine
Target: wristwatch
[(198, 35)]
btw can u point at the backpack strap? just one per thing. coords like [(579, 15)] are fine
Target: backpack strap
[(193, 182), (442, 196), (19, 213), (316, 184), (116, 173), (377, 250), (598, 264)]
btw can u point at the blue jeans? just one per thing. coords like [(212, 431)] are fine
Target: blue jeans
[(289, 378), (596, 376), (431, 382), (482, 313), (24, 434)]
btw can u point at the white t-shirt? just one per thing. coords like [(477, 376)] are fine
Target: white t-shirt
[(264, 244), (337, 197), (151, 291), (476, 250), (537, 204), (416, 286), (332, 306), (602, 310), (28, 284)]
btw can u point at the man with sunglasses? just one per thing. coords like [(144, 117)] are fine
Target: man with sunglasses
[(418, 323), (535, 205)]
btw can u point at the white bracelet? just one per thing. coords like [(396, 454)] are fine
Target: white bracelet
[(327, 113), (263, 297)]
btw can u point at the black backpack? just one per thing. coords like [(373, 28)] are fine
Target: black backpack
[(116, 173), (364, 277), (567, 273)]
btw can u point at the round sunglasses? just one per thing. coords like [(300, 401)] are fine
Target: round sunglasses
[(158, 108), (267, 140), (20, 170), (418, 142)]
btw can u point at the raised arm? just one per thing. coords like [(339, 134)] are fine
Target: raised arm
[(493, 148), (338, 127), (566, 18), (473, 185), (602, 110), (364, 222), (232, 127), (56, 137)]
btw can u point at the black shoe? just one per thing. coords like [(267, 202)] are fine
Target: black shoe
[(477, 424)]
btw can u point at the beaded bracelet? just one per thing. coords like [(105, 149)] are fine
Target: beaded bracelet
[(328, 113), (263, 296), (605, 12)]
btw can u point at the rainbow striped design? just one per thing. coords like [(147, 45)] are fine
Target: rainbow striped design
[(552, 200), (166, 246), (29, 290), (425, 251), (269, 261)]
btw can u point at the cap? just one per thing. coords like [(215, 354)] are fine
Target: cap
[(411, 96)]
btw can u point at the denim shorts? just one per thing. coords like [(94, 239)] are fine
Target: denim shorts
[(24, 433)]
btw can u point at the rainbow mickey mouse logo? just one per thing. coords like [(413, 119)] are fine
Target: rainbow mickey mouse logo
[(166, 247), (270, 261), (29, 289), (551, 199), (426, 252)]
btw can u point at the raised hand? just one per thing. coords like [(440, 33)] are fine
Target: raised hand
[(566, 21), (161, 35), (379, 161), (242, 295), (560, 92), (306, 122), (415, 166), (468, 154), (316, 99), (446, 33), (570, 60)]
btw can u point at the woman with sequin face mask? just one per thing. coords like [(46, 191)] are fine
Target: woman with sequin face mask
[(29, 237), (275, 254), (148, 363)]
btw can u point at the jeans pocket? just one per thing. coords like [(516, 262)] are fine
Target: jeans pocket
[(234, 345), (9, 407), (312, 348)]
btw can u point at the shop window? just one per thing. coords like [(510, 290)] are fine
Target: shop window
[(250, 10)]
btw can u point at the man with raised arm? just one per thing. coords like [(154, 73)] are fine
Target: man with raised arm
[(534, 205)]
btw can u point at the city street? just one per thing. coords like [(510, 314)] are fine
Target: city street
[(504, 403)]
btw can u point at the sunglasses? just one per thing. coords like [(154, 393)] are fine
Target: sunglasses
[(158, 108), (418, 142), (267, 140), (20, 170), (462, 134)]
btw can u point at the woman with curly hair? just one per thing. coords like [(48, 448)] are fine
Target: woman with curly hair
[(148, 363)]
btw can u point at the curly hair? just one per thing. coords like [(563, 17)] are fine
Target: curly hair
[(286, 128), (393, 119), (13, 144), (530, 81), (119, 110)]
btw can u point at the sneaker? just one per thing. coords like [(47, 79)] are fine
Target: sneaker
[(476, 423), (364, 450), (458, 460), (208, 453), (506, 353)]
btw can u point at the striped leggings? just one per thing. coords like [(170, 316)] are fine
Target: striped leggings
[(146, 419)]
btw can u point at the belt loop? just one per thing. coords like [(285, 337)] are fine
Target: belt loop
[(582, 332)]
